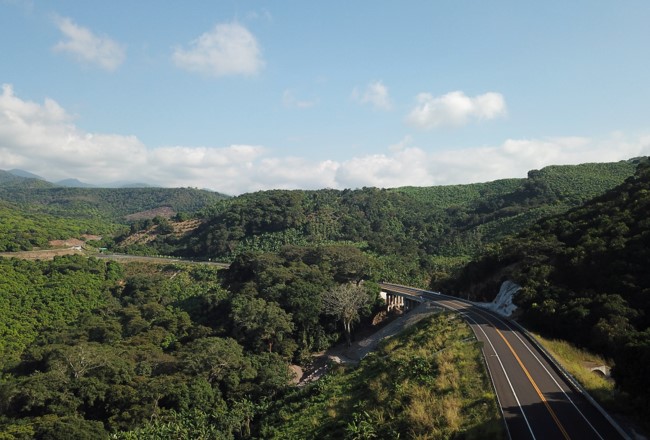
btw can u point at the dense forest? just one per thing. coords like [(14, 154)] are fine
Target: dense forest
[(149, 352), (454, 220), (91, 348), (585, 278)]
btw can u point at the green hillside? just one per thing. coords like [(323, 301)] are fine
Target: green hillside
[(91, 349), (9, 180), (585, 278), (33, 212), (24, 231), (111, 204), (417, 223)]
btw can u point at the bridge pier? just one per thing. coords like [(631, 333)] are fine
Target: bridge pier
[(399, 301)]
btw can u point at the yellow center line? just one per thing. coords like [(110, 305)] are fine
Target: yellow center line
[(539, 393)]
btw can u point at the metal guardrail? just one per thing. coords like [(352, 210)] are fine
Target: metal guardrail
[(572, 381)]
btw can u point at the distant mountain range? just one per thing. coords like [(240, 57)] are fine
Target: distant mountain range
[(69, 183), (25, 174)]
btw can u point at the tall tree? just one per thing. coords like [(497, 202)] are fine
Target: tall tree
[(261, 321), (345, 302)]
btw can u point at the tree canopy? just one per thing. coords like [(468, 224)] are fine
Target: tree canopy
[(346, 302)]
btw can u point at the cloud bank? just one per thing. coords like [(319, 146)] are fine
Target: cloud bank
[(42, 138), (227, 49), (455, 109), (86, 47)]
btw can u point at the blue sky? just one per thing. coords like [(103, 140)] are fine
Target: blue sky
[(239, 96)]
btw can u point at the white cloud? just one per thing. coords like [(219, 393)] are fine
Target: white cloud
[(87, 47), (455, 109), (43, 138), (375, 94), (290, 100), (407, 167), (513, 158), (227, 49)]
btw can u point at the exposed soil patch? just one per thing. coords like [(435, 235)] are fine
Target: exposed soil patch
[(146, 236), (186, 226), (88, 237), (70, 242)]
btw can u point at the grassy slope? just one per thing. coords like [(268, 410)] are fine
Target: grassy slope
[(577, 361), (427, 383)]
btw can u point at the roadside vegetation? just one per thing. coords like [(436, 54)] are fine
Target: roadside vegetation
[(427, 383), (578, 362)]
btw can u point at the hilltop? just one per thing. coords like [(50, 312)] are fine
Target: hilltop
[(415, 230)]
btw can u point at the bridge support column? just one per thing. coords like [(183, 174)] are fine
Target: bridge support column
[(397, 301), (389, 301)]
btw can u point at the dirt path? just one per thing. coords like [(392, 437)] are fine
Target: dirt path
[(341, 354), (48, 254), (45, 254)]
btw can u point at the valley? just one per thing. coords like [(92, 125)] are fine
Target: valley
[(187, 318)]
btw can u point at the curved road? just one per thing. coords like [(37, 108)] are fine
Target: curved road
[(537, 402)]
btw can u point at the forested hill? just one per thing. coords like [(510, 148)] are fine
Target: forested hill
[(111, 204), (21, 230), (33, 211), (414, 222), (9, 180), (586, 278)]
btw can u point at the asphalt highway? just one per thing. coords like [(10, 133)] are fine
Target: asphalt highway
[(537, 402)]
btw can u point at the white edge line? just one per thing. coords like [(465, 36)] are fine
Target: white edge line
[(523, 413), (550, 375)]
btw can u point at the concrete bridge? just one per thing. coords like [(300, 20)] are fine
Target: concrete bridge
[(400, 300)]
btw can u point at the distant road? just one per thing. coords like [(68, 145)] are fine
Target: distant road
[(160, 260), (537, 402), (48, 254), (42, 254)]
